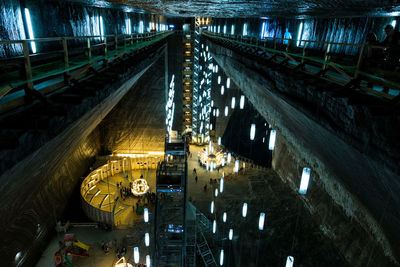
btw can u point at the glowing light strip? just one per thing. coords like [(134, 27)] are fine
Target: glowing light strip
[(30, 29), (300, 33)]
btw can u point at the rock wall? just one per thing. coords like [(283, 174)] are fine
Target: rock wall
[(362, 186), (34, 192)]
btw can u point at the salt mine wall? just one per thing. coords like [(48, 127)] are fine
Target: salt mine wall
[(137, 123), (63, 18), (353, 180), (338, 30), (35, 190)]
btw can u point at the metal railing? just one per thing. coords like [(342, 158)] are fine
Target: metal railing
[(87, 52), (339, 68)]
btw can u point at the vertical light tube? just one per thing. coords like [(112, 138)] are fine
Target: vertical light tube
[(222, 90), (300, 33), (236, 168), (228, 82), (219, 79), (147, 239), (216, 192), (224, 29), (136, 254), (224, 217), (30, 29), (233, 103), (146, 215), (101, 28), (230, 234), (252, 131), (221, 184), (244, 210), (305, 178), (212, 207), (245, 29), (128, 26), (214, 226), (241, 102), (289, 261), (219, 140), (272, 138), (261, 221), (216, 68), (148, 260), (233, 29), (229, 157), (141, 26), (221, 257), (226, 111), (263, 30)]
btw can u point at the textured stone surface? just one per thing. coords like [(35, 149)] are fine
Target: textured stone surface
[(35, 190), (356, 181), (254, 8)]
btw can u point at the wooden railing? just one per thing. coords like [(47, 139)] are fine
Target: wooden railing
[(71, 63), (339, 68)]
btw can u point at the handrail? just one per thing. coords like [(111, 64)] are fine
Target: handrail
[(346, 72), (67, 63)]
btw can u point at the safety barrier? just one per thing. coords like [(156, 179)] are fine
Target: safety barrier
[(68, 64), (343, 69)]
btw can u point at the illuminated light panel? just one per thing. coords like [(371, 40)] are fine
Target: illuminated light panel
[(244, 210), (128, 26), (233, 29), (221, 257), (146, 215), (289, 261), (228, 82), (300, 33), (252, 131), (216, 192), (230, 234), (141, 26), (305, 178), (148, 260), (236, 168), (212, 207), (224, 217), (147, 239), (101, 27), (222, 90), (245, 29), (224, 29), (221, 185), (136, 254), (30, 29), (241, 103), (272, 138), (233, 102), (261, 221), (214, 226), (394, 22), (219, 80)]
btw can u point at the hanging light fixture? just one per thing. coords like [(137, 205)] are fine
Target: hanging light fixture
[(214, 226), (305, 178), (221, 184), (289, 261), (136, 254), (224, 217), (233, 103), (261, 221), (230, 234), (252, 131), (226, 111), (146, 215), (272, 138), (241, 104), (148, 260), (244, 210), (221, 257), (222, 90), (147, 239), (212, 207), (216, 192), (236, 168)]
